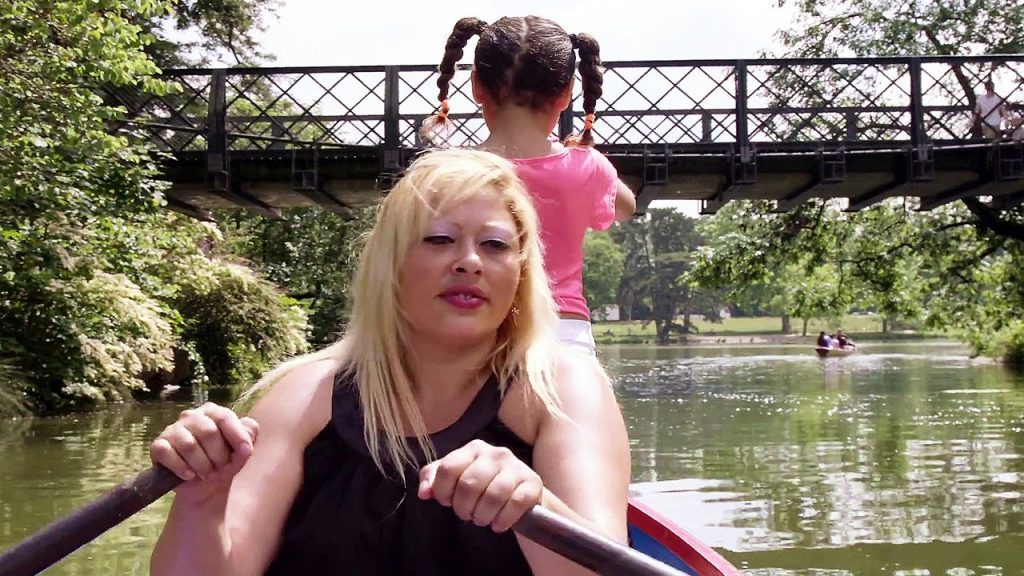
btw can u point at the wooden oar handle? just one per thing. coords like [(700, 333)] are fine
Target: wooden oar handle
[(587, 548), (51, 544)]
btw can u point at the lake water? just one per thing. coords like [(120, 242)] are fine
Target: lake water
[(905, 460)]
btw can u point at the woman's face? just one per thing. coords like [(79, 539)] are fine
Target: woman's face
[(459, 280)]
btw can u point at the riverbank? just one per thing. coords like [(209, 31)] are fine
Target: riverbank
[(732, 331)]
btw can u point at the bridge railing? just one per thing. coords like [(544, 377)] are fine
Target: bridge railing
[(686, 104)]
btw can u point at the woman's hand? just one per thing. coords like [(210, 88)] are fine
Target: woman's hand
[(206, 447), (483, 484)]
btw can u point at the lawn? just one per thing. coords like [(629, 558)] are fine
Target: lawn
[(861, 324)]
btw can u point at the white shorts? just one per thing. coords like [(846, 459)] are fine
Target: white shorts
[(577, 335)]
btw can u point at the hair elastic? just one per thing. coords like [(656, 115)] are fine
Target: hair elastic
[(442, 114), (588, 122)]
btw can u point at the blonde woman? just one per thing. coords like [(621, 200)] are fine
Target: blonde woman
[(412, 445)]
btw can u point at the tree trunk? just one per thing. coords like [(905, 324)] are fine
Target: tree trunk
[(805, 327), (663, 328), (787, 324), (885, 324), (625, 301)]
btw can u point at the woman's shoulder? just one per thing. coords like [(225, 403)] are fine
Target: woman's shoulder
[(300, 399), (578, 377), (577, 380)]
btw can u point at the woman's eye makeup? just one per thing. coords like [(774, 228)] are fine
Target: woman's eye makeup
[(496, 244), (438, 239)]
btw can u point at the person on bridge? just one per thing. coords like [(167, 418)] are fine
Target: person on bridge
[(1015, 122), (523, 74), (990, 111), (446, 411)]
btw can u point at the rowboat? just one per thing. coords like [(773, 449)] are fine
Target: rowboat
[(823, 352), (661, 539)]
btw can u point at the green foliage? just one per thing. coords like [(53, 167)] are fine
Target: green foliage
[(13, 385), (658, 255), (311, 253), (890, 28), (193, 33), (94, 274), (816, 261), (1010, 344), (240, 324), (637, 271), (602, 270)]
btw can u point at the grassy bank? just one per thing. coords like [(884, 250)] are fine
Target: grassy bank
[(753, 330)]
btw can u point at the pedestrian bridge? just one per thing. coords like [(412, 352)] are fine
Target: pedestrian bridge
[(786, 130)]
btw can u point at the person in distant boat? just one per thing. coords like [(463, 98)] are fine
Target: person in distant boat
[(445, 413), (824, 340), (843, 341)]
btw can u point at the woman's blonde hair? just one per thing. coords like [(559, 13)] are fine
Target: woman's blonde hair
[(375, 342)]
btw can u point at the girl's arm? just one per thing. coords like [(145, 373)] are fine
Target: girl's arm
[(625, 202), (228, 524)]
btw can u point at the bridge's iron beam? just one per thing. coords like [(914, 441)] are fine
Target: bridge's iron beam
[(955, 193), (236, 195), (831, 169), (192, 211), (1008, 201), (645, 196), (325, 200), (876, 195), (803, 194), (709, 206)]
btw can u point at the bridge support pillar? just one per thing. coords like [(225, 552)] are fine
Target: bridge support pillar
[(654, 177)]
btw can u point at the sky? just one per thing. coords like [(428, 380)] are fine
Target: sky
[(334, 32), (339, 33)]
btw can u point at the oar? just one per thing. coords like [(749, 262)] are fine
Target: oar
[(51, 544), (587, 548), (54, 542)]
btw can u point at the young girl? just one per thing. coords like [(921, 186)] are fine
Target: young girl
[(523, 73)]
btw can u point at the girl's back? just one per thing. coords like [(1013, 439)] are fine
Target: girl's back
[(573, 190), (523, 75)]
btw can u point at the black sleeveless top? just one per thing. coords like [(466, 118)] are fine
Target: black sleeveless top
[(349, 519)]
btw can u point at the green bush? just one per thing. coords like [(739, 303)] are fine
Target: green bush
[(238, 323)]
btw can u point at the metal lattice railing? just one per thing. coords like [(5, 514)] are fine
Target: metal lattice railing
[(866, 102)]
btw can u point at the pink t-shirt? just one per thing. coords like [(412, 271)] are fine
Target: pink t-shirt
[(572, 190)]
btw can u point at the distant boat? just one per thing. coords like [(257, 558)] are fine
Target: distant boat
[(823, 352)]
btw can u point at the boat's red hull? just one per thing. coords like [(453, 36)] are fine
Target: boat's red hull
[(659, 538)]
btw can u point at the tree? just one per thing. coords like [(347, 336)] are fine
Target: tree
[(192, 33), (837, 28), (956, 266), (637, 270), (602, 270), (670, 239), (310, 253), (98, 283)]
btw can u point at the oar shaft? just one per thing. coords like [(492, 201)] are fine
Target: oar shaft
[(54, 542), (51, 544), (587, 548)]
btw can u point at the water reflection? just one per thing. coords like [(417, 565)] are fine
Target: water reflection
[(52, 466), (890, 454)]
